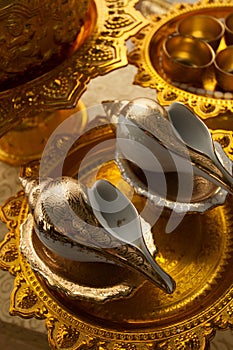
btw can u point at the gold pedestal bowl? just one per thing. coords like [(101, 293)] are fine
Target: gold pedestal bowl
[(52, 51)]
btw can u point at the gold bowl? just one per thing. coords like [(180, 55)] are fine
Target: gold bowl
[(229, 29), (185, 59), (224, 68), (35, 32), (203, 27)]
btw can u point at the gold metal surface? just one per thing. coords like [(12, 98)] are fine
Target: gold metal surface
[(202, 303), (229, 29), (207, 100), (26, 142), (34, 32), (98, 49), (206, 28), (185, 59), (224, 69)]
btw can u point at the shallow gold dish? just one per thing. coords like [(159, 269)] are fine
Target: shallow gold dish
[(206, 99), (148, 319)]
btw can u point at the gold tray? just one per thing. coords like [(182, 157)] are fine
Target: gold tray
[(100, 48), (148, 319), (148, 44)]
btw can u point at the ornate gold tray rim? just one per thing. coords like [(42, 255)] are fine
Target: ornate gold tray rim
[(147, 76)]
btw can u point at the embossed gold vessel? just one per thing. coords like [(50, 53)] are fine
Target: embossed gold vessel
[(75, 48), (35, 32), (99, 47), (224, 69), (229, 29)]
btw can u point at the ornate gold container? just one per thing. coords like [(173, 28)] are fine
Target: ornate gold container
[(186, 319), (228, 29), (34, 33), (99, 48), (60, 78), (224, 69)]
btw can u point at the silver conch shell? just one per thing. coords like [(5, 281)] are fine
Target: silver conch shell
[(143, 124), (159, 143), (62, 213)]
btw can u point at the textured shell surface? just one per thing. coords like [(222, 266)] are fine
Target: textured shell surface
[(62, 213), (149, 124)]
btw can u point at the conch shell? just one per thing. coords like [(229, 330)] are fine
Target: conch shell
[(65, 211)]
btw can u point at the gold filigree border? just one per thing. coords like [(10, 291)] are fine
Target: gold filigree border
[(147, 76), (30, 298), (61, 88)]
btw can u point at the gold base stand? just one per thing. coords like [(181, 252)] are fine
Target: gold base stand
[(27, 142)]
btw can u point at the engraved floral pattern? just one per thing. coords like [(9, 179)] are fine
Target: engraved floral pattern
[(9, 254)]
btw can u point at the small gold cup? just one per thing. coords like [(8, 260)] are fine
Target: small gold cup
[(185, 58), (206, 28), (229, 29), (224, 68)]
